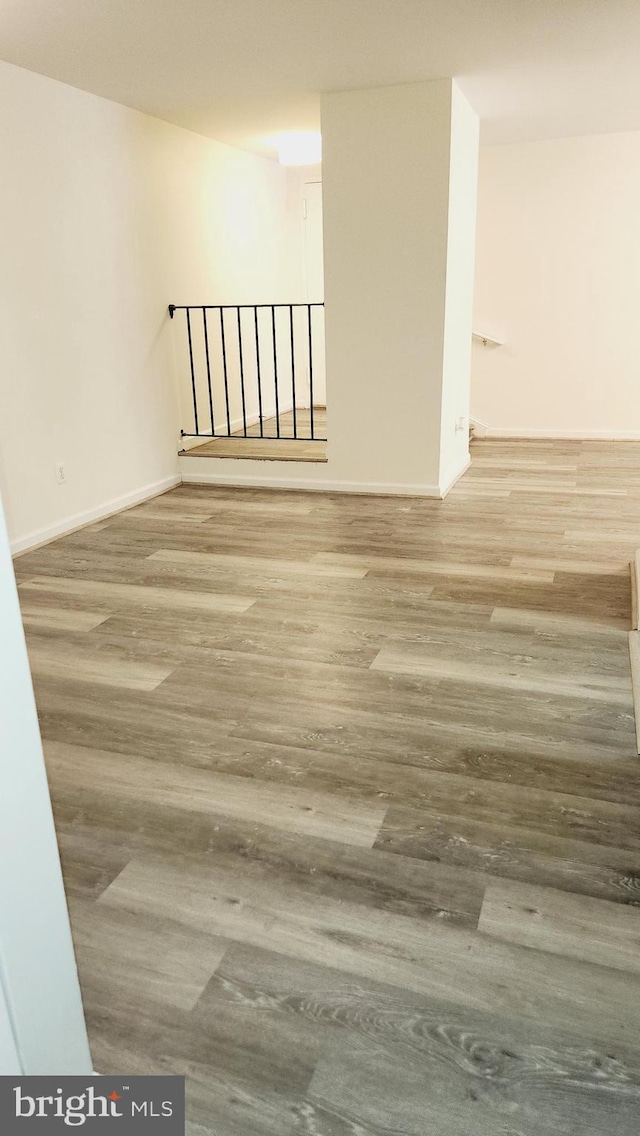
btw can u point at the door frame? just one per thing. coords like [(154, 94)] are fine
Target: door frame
[(42, 1020)]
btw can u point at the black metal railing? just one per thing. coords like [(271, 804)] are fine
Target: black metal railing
[(254, 370)]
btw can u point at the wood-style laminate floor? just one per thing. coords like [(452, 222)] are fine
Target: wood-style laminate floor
[(291, 445), (348, 801)]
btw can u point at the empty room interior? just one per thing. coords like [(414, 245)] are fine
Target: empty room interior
[(319, 629)]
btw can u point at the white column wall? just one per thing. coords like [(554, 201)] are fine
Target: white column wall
[(385, 204)]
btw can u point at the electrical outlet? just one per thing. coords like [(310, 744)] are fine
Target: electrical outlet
[(61, 474)]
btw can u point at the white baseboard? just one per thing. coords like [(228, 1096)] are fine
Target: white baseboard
[(456, 477), (80, 520), (486, 431), (257, 481)]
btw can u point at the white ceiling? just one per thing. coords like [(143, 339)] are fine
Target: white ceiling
[(241, 70)]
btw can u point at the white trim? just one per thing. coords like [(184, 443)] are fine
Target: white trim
[(456, 477), (36, 949), (559, 435), (257, 482), (79, 520), (10, 1063), (634, 659)]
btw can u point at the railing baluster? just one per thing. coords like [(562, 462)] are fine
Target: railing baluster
[(293, 374), (193, 374), (224, 364), (216, 411), (310, 371), (255, 316), (275, 368), (244, 404), (206, 354)]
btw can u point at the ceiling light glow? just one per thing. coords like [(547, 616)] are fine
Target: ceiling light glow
[(299, 148)]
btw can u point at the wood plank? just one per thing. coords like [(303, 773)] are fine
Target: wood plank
[(59, 619), (561, 564), (116, 597), (576, 926), (564, 624), (142, 958), (84, 664), (295, 810), (261, 565), (572, 862), (411, 659), (431, 567), (268, 632)]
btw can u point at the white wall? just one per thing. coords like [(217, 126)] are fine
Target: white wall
[(41, 1013), (558, 278), (108, 215)]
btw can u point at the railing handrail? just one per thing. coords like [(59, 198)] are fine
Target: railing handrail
[(232, 307), (485, 339)]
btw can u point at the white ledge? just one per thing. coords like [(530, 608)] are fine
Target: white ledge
[(485, 339)]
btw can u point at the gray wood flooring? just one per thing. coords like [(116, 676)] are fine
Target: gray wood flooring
[(348, 801)]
